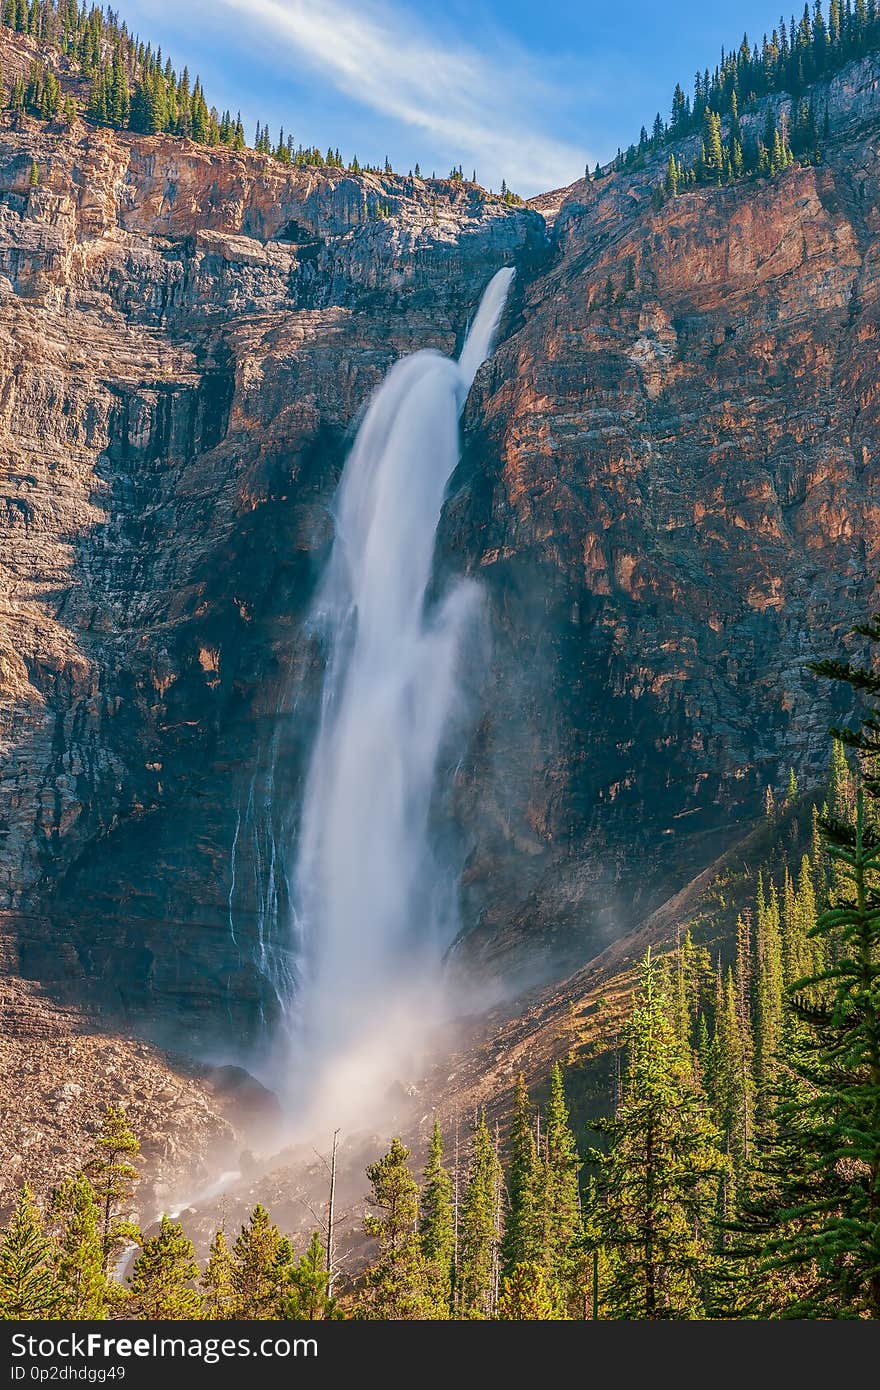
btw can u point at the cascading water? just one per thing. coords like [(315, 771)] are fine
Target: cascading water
[(371, 914)]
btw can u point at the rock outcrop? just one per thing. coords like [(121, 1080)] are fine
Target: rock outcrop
[(669, 490)]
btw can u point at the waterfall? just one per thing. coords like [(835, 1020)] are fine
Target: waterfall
[(371, 911)]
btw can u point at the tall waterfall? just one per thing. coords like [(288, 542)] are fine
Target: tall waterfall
[(371, 912)]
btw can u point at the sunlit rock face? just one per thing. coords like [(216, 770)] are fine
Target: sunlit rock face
[(670, 501), (673, 501)]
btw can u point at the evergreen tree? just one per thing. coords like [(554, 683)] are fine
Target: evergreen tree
[(769, 1002), (735, 1077), (258, 1258), (394, 1285), (200, 119), (29, 1287), (113, 1175), (306, 1296), (479, 1231), (841, 795), (658, 1179), (525, 1295), (560, 1201), (118, 97), (97, 109), (437, 1227), (713, 155), (79, 1257), (218, 1296), (807, 955), (521, 1243), (164, 1273)]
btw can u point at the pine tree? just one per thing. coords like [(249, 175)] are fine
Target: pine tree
[(436, 1227), (769, 1002), (163, 1276), (29, 1287), (479, 1229), (306, 1296), (735, 1076), (218, 1297), (258, 1256), (118, 97), (560, 1200), (521, 1243), (841, 795), (713, 155), (658, 1179), (525, 1296), (394, 1285), (79, 1258), (113, 1176), (200, 120)]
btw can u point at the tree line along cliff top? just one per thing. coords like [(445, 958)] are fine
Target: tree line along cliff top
[(85, 62)]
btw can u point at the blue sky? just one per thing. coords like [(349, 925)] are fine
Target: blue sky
[(517, 89)]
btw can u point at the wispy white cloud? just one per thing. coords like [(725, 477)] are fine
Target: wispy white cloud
[(483, 109)]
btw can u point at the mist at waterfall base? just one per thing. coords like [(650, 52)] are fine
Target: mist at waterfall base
[(373, 910)]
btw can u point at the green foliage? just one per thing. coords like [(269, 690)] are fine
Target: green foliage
[(437, 1227), (525, 1296), (479, 1251), (130, 86), (305, 1297), (658, 1180), (559, 1200), (820, 1225), (218, 1291), (79, 1255), (521, 1243), (113, 1176), (394, 1286), (259, 1256), (29, 1287), (785, 65), (163, 1277)]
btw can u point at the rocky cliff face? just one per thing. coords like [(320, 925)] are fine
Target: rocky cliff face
[(672, 496), (185, 340), (671, 500)]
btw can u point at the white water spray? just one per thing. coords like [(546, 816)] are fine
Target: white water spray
[(372, 914)]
